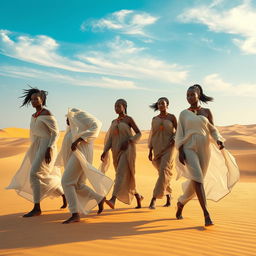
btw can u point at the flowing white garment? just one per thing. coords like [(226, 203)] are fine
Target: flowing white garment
[(85, 126), (221, 172), (43, 134)]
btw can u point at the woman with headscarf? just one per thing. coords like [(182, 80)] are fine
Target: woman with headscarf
[(161, 145), (211, 171), (121, 140), (37, 177), (76, 156)]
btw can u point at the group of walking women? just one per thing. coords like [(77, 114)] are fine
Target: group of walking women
[(211, 171)]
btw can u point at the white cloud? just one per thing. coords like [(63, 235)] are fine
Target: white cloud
[(50, 76), (119, 58), (214, 82), (124, 21), (40, 50), (239, 20)]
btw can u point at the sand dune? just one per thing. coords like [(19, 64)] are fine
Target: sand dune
[(240, 142), (127, 231)]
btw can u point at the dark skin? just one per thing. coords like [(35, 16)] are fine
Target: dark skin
[(75, 217), (123, 117), (163, 107), (193, 99), (37, 103)]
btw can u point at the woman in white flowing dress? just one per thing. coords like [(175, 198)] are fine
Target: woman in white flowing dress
[(76, 156), (161, 150), (121, 140), (210, 169), (37, 177)]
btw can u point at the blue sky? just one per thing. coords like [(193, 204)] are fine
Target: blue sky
[(87, 54)]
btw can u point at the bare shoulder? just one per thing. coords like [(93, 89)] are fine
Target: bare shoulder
[(173, 117), (46, 112), (129, 119), (208, 111)]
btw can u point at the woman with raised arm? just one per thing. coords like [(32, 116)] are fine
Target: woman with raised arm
[(121, 140), (210, 169), (161, 149), (76, 156), (37, 177)]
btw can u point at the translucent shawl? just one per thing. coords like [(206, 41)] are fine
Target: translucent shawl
[(84, 125), (43, 134), (222, 173)]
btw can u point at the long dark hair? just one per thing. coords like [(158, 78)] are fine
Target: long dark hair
[(27, 93), (124, 103), (202, 97), (155, 105)]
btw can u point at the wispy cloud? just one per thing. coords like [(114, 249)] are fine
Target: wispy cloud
[(120, 58), (128, 22), (41, 50), (239, 20), (137, 65), (214, 82), (78, 80)]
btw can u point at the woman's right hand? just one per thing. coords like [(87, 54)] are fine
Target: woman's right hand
[(182, 156), (220, 144), (103, 155)]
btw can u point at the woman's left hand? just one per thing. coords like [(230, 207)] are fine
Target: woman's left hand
[(74, 145), (220, 144), (48, 155)]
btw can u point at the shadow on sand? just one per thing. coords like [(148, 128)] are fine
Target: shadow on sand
[(46, 230)]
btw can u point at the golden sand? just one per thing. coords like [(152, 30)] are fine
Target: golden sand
[(127, 231)]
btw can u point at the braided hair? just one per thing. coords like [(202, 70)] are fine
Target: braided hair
[(155, 105), (202, 97), (27, 93)]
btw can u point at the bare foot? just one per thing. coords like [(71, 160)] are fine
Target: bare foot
[(64, 202), (179, 211), (34, 212), (101, 205), (152, 205), (208, 221), (110, 203), (74, 218), (139, 198), (168, 201)]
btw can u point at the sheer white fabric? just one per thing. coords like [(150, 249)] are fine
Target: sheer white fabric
[(35, 179), (84, 125), (205, 163)]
